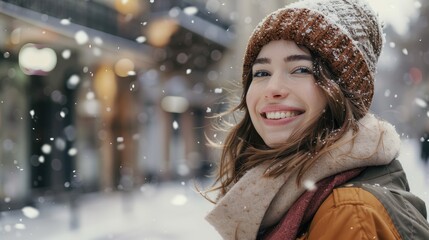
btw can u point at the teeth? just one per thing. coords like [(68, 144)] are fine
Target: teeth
[(280, 115)]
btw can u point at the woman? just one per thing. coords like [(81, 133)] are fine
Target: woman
[(307, 160)]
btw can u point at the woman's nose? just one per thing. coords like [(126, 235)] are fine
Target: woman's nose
[(276, 87)]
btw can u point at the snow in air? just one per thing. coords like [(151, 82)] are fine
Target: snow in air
[(65, 22), (32, 113), (20, 226), (310, 185), (421, 103), (72, 152), (81, 37), (30, 212), (66, 54), (46, 148), (218, 90), (98, 41), (387, 93), (190, 10), (141, 39), (175, 125), (73, 81)]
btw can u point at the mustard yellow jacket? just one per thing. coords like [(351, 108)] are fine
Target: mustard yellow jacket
[(375, 205)]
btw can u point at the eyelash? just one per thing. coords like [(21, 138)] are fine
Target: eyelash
[(260, 72), (304, 70)]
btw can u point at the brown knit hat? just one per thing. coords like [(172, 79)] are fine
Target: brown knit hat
[(346, 34)]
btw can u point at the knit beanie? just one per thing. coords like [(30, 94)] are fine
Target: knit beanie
[(346, 34)]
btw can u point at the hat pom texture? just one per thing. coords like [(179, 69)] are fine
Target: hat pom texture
[(346, 34)]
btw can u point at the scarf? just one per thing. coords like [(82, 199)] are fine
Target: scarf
[(257, 202), (303, 210)]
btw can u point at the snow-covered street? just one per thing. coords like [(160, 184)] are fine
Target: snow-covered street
[(166, 211)]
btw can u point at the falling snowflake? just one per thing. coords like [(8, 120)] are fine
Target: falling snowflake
[(218, 90), (420, 102), (20, 226), (73, 81), (310, 185), (66, 54), (188, 71), (72, 152), (175, 125), (387, 93), (65, 22), (81, 37), (46, 148), (209, 110), (98, 41), (90, 95), (141, 39), (30, 212), (190, 10)]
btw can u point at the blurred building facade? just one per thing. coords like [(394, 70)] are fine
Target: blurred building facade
[(106, 95)]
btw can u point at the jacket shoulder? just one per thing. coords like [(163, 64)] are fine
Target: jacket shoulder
[(389, 185), (352, 213)]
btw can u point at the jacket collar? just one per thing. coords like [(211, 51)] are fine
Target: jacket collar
[(256, 201)]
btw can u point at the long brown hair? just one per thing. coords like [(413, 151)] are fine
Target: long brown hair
[(243, 148)]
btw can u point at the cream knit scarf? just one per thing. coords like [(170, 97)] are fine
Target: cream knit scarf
[(256, 201)]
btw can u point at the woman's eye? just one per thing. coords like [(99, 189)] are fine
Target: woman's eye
[(303, 70), (261, 74)]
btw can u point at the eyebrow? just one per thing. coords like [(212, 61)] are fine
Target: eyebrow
[(300, 57), (262, 61), (291, 58)]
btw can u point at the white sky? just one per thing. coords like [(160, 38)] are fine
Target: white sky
[(398, 13)]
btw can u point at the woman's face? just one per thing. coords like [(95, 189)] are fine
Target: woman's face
[(283, 95)]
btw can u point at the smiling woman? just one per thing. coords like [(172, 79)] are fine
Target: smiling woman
[(283, 94), (308, 160)]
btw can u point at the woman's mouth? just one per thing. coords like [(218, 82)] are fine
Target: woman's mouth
[(280, 114)]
